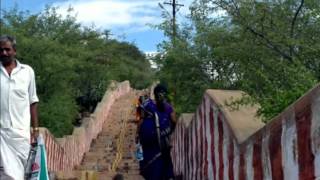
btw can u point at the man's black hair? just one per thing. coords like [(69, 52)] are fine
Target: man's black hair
[(118, 177), (160, 88), (7, 38)]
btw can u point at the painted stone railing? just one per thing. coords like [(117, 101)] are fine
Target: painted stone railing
[(220, 143), (65, 153)]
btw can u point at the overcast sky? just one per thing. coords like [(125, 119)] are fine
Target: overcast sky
[(125, 18)]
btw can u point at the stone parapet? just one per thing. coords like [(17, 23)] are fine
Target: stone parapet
[(219, 143), (63, 154)]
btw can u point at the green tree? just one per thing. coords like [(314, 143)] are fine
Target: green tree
[(266, 48), (73, 64)]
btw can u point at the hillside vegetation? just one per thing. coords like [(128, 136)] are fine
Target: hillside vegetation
[(267, 48), (73, 64)]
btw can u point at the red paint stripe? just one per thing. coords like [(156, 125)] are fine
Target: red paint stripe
[(191, 152), (52, 153), (56, 159), (275, 152), (189, 139), (213, 160), (205, 173), (231, 158), (57, 155), (181, 133), (201, 143), (305, 155), (220, 147), (205, 160), (180, 152), (256, 159), (197, 153), (184, 153), (50, 147), (242, 169)]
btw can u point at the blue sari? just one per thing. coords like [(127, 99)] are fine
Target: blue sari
[(156, 163)]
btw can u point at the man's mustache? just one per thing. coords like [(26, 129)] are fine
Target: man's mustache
[(5, 58)]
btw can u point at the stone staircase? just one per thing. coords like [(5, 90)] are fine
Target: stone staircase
[(112, 152)]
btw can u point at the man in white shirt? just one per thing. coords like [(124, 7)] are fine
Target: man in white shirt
[(18, 105)]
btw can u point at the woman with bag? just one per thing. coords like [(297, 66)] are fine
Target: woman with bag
[(155, 129)]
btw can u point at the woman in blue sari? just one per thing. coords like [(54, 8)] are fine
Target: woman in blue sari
[(154, 133)]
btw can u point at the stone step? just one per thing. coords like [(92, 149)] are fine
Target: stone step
[(108, 159), (94, 156), (87, 166), (89, 175), (102, 146), (107, 142), (97, 163), (94, 175), (99, 150)]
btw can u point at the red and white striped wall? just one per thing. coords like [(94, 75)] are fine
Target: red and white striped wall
[(286, 148), (65, 153)]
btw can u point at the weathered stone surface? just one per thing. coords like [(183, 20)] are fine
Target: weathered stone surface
[(117, 136)]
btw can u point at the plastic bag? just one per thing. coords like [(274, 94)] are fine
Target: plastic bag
[(139, 152), (36, 168)]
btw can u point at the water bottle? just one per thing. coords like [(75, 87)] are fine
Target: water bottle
[(139, 152)]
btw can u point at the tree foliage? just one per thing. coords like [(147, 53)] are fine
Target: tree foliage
[(267, 48), (73, 64)]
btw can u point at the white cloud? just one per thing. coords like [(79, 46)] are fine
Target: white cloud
[(133, 15), (110, 14)]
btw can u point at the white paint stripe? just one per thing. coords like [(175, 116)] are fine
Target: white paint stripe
[(267, 174), (248, 161), (315, 133), (236, 162), (226, 141), (216, 141), (209, 140), (289, 148)]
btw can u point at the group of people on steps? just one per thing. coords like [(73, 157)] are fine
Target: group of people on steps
[(156, 122)]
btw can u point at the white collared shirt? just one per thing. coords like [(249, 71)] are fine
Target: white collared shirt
[(17, 93)]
